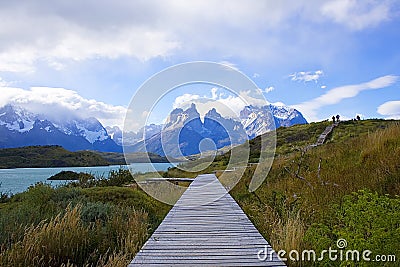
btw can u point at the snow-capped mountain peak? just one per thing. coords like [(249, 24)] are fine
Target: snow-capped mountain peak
[(90, 128), (258, 120), (186, 126), (17, 119), (20, 127), (286, 116), (212, 113), (178, 117)]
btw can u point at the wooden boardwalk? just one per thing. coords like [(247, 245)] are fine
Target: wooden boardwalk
[(206, 227), (322, 137), (167, 179)]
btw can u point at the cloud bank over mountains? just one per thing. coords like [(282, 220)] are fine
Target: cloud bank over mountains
[(62, 103), (65, 103)]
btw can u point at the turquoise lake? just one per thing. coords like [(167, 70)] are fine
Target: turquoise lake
[(18, 180)]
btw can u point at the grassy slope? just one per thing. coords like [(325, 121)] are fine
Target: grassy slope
[(358, 156), (48, 156), (293, 214)]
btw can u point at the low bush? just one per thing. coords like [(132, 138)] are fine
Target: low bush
[(94, 225), (366, 220)]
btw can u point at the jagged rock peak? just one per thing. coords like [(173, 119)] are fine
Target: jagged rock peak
[(212, 113), (192, 111)]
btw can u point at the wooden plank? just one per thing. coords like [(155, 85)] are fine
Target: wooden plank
[(206, 227), (322, 137), (169, 179)]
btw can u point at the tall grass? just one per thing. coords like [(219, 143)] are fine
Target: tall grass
[(288, 233), (67, 240), (284, 207)]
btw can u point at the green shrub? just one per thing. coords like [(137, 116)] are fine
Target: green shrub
[(366, 221), (96, 211)]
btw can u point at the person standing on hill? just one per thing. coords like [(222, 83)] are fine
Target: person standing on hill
[(333, 119), (337, 117)]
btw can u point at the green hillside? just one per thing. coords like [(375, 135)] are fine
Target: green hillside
[(47, 156), (57, 156), (347, 188), (137, 157)]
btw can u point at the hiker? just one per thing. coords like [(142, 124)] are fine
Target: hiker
[(333, 119), (337, 117), (358, 117)]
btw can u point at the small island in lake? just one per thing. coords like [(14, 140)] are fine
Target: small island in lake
[(70, 175)]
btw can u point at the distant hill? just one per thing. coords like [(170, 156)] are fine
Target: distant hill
[(57, 156), (137, 157), (48, 156)]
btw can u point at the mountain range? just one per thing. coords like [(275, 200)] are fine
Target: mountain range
[(184, 133), (19, 127)]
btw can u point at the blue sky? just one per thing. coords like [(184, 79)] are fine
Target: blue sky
[(322, 57)]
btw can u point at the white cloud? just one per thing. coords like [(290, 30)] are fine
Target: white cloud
[(357, 14), (59, 32), (256, 75), (214, 94), (184, 100), (83, 44), (60, 103), (231, 106), (307, 76), (227, 105), (4, 83), (269, 89), (336, 95), (266, 90), (390, 109)]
